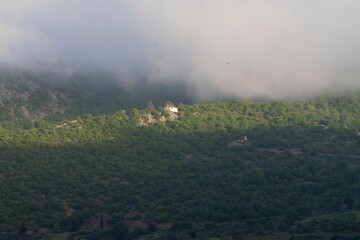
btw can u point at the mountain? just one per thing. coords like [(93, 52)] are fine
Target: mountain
[(28, 96), (226, 169)]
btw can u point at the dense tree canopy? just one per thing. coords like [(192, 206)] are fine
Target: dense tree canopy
[(227, 169)]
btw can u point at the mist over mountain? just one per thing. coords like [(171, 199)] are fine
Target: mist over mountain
[(265, 49)]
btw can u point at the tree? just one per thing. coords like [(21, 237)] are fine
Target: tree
[(121, 231), (22, 229), (151, 228), (150, 106), (101, 222)]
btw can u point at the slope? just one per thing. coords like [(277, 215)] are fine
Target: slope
[(220, 170)]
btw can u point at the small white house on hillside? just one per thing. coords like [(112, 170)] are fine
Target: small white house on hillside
[(171, 108)]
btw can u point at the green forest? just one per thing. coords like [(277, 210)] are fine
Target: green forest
[(219, 170)]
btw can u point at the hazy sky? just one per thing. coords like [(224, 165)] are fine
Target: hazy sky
[(245, 48)]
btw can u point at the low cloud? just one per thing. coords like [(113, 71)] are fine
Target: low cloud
[(269, 49)]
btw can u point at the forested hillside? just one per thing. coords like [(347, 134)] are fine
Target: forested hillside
[(226, 169)]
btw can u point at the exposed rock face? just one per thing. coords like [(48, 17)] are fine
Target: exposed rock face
[(28, 100), (146, 120), (172, 116), (149, 118)]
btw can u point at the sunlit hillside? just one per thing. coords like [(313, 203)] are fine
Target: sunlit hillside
[(227, 169)]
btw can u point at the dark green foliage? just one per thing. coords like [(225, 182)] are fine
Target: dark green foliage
[(181, 226), (194, 177), (22, 229), (101, 222), (121, 231), (151, 228)]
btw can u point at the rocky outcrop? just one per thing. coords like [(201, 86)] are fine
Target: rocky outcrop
[(149, 118)]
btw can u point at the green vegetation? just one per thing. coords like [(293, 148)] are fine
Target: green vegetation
[(216, 170)]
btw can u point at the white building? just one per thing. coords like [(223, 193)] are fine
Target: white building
[(171, 108)]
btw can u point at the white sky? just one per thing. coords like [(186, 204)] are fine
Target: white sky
[(266, 48)]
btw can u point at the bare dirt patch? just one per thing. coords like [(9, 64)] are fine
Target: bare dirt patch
[(296, 151), (135, 219), (68, 209), (272, 150), (45, 231), (120, 181)]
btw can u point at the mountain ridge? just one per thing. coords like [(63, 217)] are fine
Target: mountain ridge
[(34, 96)]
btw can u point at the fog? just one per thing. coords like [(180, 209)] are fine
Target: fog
[(234, 48)]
